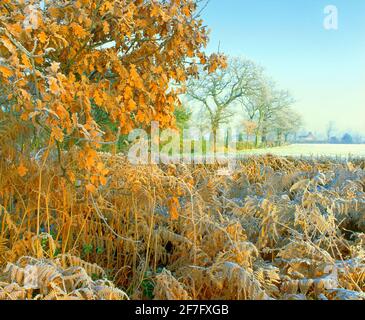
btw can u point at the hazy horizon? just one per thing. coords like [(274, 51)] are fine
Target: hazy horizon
[(323, 69)]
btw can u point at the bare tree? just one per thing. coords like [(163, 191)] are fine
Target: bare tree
[(217, 92), (267, 109), (286, 122), (250, 127), (264, 107)]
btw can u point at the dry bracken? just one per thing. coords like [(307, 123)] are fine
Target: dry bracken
[(275, 229)]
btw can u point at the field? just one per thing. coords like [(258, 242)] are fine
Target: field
[(314, 150), (275, 229)]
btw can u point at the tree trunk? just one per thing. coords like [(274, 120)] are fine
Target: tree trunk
[(257, 138)]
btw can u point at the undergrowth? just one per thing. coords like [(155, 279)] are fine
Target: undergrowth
[(277, 228)]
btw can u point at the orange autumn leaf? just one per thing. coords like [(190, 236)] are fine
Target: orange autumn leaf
[(155, 12), (90, 188), (22, 170), (132, 105), (98, 99), (186, 11), (42, 37), (106, 27), (90, 158), (103, 180), (6, 72), (26, 62), (174, 207), (79, 30), (53, 86), (140, 117)]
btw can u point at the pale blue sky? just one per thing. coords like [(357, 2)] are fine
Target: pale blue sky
[(323, 69)]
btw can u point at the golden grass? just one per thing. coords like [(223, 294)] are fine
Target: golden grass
[(278, 228)]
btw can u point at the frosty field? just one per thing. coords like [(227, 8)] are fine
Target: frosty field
[(314, 150)]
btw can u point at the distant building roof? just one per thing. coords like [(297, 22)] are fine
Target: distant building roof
[(310, 137)]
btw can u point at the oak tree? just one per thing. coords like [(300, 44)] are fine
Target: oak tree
[(69, 66)]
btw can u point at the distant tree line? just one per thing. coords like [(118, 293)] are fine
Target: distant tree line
[(346, 138)]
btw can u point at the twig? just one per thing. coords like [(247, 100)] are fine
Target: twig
[(101, 216)]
